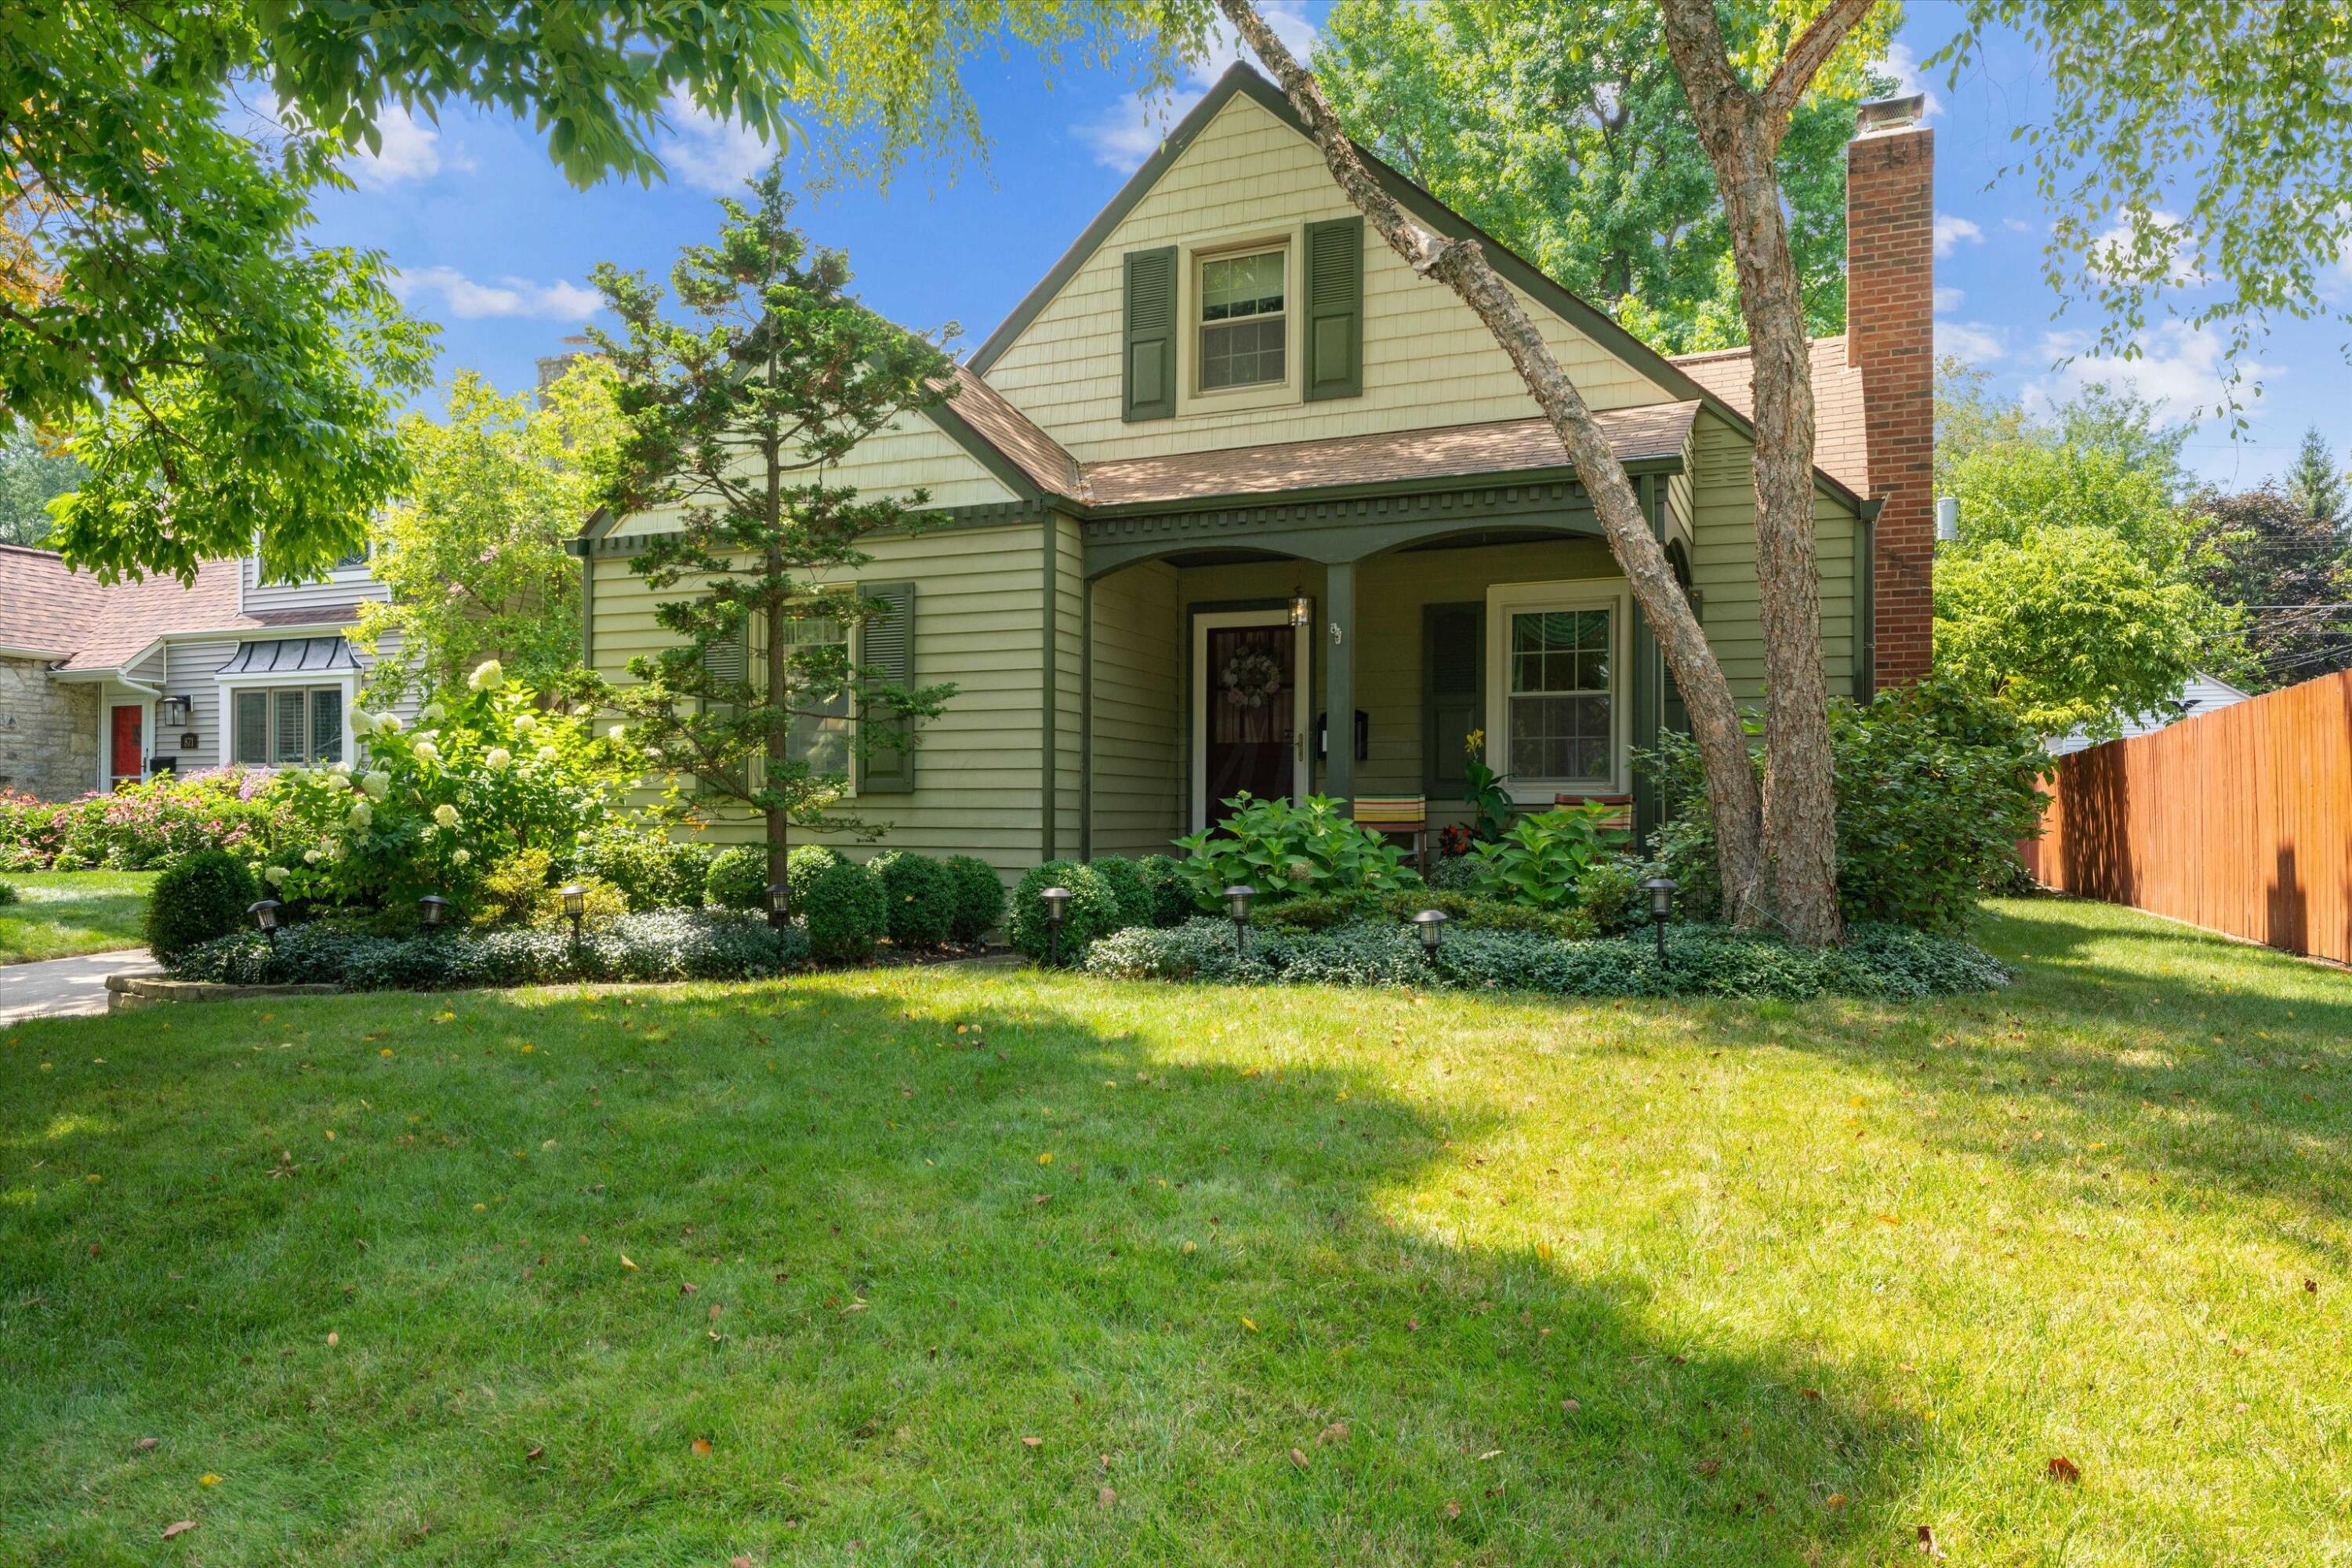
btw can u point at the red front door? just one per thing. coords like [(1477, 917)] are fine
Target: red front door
[(123, 765)]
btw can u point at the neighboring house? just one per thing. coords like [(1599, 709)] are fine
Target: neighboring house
[(102, 685), (2201, 695), (1232, 467)]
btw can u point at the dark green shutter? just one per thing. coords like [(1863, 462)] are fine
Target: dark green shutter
[(886, 648), (1453, 693), (1335, 308), (1151, 337), (728, 662)]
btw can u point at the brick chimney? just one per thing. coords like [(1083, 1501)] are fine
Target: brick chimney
[(1890, 338)]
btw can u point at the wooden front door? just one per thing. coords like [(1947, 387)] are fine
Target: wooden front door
[(1248, 711), (123, 751)]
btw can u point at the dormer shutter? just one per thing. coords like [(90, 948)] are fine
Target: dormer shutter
[(1335, 308), (1150, 341), (729, 661)]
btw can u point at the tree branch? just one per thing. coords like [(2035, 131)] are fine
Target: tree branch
[(1794, 75)]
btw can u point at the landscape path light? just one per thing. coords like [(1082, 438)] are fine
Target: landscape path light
[(1237, 903), (265, 918), (1662, 905), (1431, 926), (1057, 900), (433, 908), (575, 908)]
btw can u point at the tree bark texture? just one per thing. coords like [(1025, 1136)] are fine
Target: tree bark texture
[(1462, 266)]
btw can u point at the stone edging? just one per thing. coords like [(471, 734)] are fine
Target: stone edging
[(124, 991)]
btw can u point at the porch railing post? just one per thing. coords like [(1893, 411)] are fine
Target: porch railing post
[(1340, 679)]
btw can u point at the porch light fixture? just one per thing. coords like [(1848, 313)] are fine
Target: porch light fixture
[(1431, 926), (174, 714), (1662, 904), (576, 907), (1302, 610), (1057, 900), (1237, 903), (265, 919), (432, 907)]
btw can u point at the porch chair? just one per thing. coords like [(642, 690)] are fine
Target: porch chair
[(1622, 818), (1406, 815)]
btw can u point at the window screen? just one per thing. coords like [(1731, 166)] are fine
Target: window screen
[(251, 744), (1561, 694)]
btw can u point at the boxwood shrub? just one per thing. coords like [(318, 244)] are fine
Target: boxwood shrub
[(653, 870), (840, 903), (979, 897), (918, 897), (1128, 888), (738, 878), (1877, 962), (672, 944), (204, 895), (1172, 891), (1091, 913)]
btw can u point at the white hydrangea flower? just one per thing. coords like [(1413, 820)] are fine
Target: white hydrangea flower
[(430, 713), (525, 724), (362, 721), (462, 856), (498, 758), (547, 753), (486, 675), (362, 813), (446, 815), (618, 733), (377, 784), (342, 770), (426, 752), (309, 856), (274, 875), (390, 724)]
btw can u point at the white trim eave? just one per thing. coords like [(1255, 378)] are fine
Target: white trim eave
[(46, 655)]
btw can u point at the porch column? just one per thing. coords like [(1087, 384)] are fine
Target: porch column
[(1340, 679)]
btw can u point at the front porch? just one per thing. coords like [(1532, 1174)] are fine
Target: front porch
[(1223, 651)]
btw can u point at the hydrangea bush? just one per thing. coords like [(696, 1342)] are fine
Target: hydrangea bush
[(481, 776)]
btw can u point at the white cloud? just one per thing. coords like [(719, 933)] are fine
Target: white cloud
[(1950, 230), (1131, 129), (1902, 65), (409, 151), (2115, 254), (709, 153), (1973, 343), (2016, 226), (2182, 369), (465, 299), (1947, 300)]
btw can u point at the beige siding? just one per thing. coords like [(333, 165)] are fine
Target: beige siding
[(1069, 650), (910, 453), (1723, 566), (979, 621), (1427, 359), (1138, 711)]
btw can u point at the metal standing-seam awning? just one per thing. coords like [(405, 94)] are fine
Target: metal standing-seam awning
[(291, 656)]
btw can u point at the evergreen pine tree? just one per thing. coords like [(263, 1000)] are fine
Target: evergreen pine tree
[(2314, 483)]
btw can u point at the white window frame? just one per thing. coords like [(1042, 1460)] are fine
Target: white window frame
[(347, 681), (1291, 240), (755, 656), (1502, 601), (1302, 676)]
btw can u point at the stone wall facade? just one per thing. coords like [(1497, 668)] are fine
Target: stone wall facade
[(49, 733)]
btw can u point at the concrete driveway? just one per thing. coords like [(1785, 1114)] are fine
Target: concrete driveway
[(63, 987)]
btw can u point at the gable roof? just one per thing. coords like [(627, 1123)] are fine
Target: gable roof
[(49, 609), (44, 608), (1841, 449), (1240, 80)]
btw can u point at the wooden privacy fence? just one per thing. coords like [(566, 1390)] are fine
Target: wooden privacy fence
[(2239, 820)]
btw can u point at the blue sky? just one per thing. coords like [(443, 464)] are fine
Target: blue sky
[(491, 242)]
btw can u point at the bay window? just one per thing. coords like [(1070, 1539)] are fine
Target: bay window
[(286, 726)]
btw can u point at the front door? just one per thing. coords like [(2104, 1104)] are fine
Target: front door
[(123, 753), (1249, 710)]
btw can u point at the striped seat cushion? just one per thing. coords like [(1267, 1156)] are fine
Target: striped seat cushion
[(1393, 812), (1622, 817)]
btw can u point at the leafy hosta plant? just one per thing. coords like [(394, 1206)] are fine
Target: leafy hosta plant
[(1282, 851), (1540, 861), (481, 778)]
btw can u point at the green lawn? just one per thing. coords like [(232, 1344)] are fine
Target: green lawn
[(954, 1266), (65, 912)]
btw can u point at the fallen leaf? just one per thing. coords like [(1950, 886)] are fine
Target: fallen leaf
[(146, 1443), (208, 1479), (2061, 1469), (1927, 1538), (1298, 1458), (1046, 1158), (1810, 1393), (333, 1338), (701, 1444), (1106, 1497), (534, 1454), (1453, 1508), (178, 1527), (1250, 1326), (1571, 1406), (1709, 1467), (738, 1561), (715, 1310), (1835, 1499), (626, 1264), (686, 1289), (1032, 1442), (1335, 1433), (2311, 1286)]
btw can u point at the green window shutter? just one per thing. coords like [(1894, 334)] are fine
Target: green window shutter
[(1151, 337), (1335, 308), (887, 647), (1453, 693), (729, 660)]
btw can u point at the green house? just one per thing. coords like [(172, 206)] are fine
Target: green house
[(1235, 501)]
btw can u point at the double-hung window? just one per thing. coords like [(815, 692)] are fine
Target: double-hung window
[(287, 726), (822, 727), (1557, 702), (1245, 323)]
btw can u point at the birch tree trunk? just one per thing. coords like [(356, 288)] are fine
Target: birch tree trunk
[(1741, 129), (1462, 266)]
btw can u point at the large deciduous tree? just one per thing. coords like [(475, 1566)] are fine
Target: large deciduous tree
[(475, 552), (2268, 551), (730, 417), (1574, 145)]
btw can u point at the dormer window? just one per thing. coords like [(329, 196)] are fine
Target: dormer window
[(1243, 324)]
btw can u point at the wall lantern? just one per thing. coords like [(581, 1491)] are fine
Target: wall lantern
[(1662, 905), (1237, 903), (1302, 610), (1431, 926), (174, 714), (1057, 900)]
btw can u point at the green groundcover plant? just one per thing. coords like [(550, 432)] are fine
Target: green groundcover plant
[(1285, 850), (1879, 962)]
